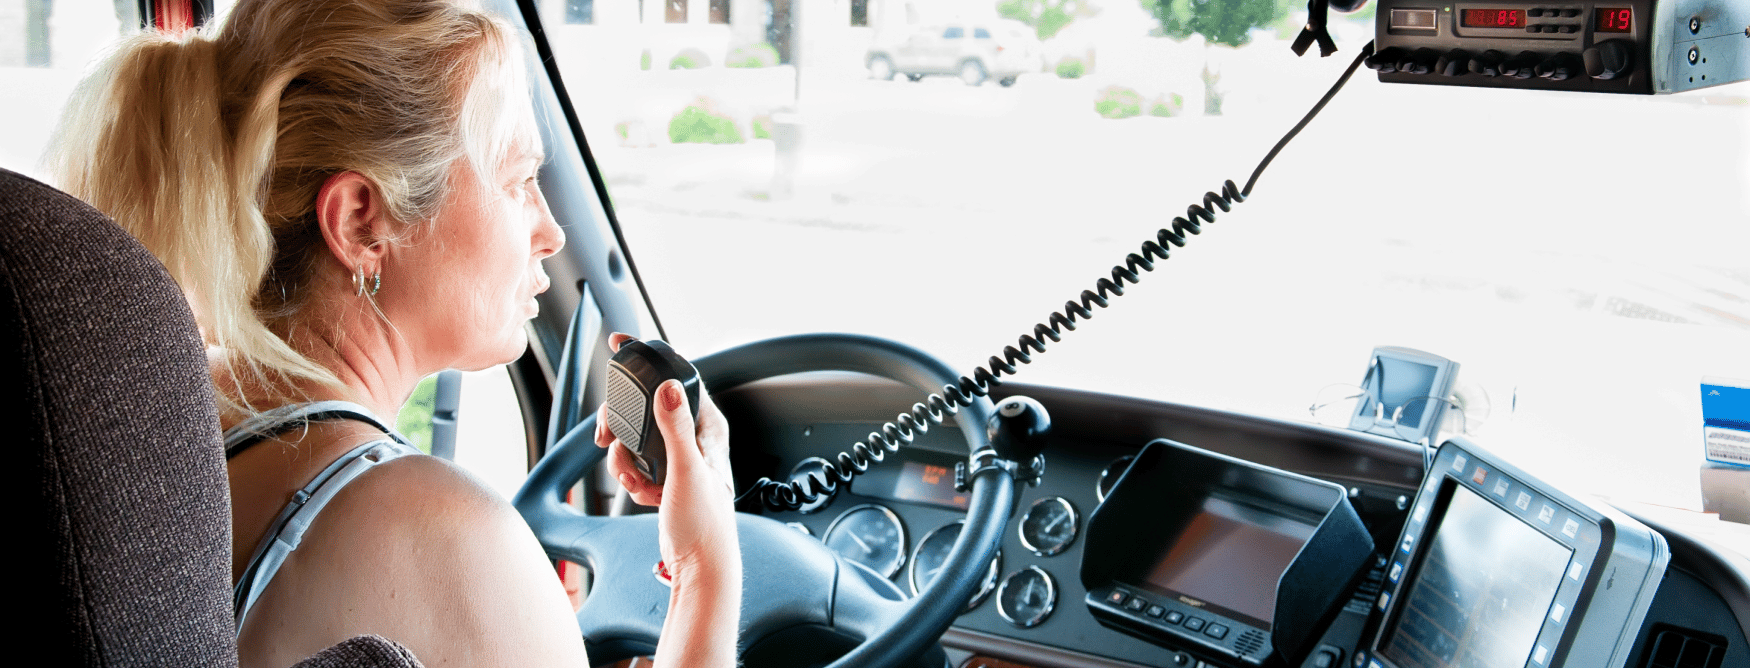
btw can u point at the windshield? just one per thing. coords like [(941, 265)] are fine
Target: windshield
[(1580, 256)]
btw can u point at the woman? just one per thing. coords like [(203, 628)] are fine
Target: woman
[(345, 190)]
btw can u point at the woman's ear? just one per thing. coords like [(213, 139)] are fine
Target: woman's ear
[(354, 222)]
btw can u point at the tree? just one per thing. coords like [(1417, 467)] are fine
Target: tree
[(1228, 22), (1046, 16)]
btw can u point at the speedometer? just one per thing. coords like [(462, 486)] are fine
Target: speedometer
[(870, 535)]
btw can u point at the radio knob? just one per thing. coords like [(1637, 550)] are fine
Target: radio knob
[(1453, 63), (1419, 62), (1559, 67), (1386, 60), (1609, 59), (1487, 63), (1520, 66)]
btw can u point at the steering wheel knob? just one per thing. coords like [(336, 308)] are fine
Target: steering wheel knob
[(1018, 429)]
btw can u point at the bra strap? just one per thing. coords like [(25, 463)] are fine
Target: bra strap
[(268, 424)]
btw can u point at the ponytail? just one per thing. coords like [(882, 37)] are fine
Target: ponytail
[(211, 148)]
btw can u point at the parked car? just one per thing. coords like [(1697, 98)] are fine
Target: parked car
[(1003, 51)]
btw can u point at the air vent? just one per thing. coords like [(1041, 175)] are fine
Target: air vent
[(1675, 647), (1249, 642)]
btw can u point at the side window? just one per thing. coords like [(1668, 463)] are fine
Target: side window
[(719, 11), (980, 33), (954, 33), (483, 419), (860, 13), (674, 11)]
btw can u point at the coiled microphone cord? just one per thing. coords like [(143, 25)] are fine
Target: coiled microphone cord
[(936, 408)]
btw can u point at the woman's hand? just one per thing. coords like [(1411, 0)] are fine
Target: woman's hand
[(696, 520), (711, 436)]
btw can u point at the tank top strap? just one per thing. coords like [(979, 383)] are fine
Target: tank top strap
[(288, 528)]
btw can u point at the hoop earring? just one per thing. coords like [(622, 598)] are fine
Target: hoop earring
[(358, 282), (376, 282)]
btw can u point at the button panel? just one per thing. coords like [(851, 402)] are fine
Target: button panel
[(1175, 620)]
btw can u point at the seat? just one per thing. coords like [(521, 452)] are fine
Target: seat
[(127, 526)]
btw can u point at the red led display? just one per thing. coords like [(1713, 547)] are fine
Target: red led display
[(1493, 18), (1615, 19)]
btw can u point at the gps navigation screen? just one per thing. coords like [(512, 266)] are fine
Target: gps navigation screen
[(1221, 542), (1481, 593)]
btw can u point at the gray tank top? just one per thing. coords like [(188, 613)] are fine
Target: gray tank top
[(287, 530)]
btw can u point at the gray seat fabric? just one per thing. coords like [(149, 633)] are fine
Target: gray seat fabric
[(127, 524)]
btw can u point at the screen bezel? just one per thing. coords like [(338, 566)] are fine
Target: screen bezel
[(1455, 465)]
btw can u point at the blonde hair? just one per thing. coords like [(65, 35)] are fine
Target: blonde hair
[(212, 147)]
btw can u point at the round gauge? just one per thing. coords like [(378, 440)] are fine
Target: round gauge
[(1110, 476), (1027, 597), (932, 552), (870, 535), (817, 467), (1049, 526)]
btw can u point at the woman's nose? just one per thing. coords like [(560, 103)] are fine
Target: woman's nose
[(548, 237)]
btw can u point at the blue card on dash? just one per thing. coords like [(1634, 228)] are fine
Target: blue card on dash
[(1725, 417)]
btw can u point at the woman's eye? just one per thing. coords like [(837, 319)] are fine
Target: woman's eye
[(523, 188)]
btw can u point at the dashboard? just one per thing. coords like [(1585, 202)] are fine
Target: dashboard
[(1034, 610)]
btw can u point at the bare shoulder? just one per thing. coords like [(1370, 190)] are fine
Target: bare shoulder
[(420, 551), (430, 496)]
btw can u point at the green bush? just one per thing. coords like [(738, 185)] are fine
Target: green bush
[(644, 60), (699, 124), (1071, 68), (689, 59), (1118, 102), (752, 55), (1167, 106), (762, 127), (414, 421)]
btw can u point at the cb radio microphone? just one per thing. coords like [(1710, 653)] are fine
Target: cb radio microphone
[(634, 373)]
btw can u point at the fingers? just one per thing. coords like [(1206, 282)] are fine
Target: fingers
[(603, 437), (675, 420), (617, 339), (713, 428), (624, 469), (714, 439)]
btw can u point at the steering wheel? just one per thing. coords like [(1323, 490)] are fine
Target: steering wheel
[(791, 581)]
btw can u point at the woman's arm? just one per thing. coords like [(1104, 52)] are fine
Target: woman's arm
[(699, 544), (696, 515)]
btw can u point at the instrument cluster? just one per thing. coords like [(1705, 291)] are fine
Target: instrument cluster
[(901, 519)]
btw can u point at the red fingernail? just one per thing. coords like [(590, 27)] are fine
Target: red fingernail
[(671, 397)]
